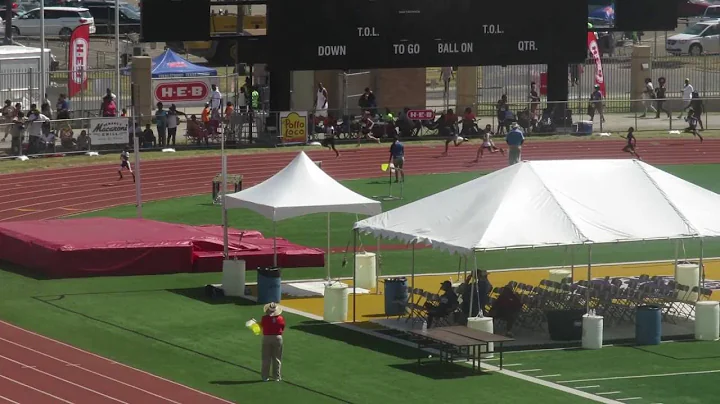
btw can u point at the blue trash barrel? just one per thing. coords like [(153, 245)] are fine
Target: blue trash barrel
[(396, 296), (269, 285), (648, 326)]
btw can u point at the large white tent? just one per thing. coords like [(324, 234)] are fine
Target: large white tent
[(551, 203), (301, 188)]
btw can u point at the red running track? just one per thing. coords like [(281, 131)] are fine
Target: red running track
[(38, 370), (46, 194)]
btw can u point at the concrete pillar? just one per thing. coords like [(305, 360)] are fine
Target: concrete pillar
[(399, 88), (467, 87), (141, 76), (640, 69), (303, 90)]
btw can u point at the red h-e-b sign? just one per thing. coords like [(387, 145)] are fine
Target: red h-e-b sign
[(421, 115), (182, 92)]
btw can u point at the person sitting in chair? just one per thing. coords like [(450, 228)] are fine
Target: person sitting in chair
[(479, 296), (447, 304), (507, 307)]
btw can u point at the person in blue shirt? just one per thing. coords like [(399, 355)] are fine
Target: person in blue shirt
[(397, 158), (515, 140)]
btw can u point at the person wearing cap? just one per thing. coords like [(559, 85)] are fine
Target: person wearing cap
[(596, 104), (447, 303), (273, 326), (515, 140), (687, 96)]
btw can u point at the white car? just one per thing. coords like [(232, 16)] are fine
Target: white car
[(59, 21), (697, 39)]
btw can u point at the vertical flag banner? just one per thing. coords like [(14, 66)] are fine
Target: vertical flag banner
[(78, 54), (595, 52)]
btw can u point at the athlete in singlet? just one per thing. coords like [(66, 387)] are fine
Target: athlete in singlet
[(321, 101)]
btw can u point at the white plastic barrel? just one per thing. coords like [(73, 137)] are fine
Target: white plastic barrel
[(592, 332), (688, 275), (557, 275), (483, 324), (233, 277), (366, 271), (707, 321), (335, 302)]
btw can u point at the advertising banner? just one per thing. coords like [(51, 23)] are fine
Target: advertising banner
[(293, 127), (595, 53), (109, 131), (183, 92), (78, 54)]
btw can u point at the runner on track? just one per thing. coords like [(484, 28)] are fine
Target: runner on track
[(330, 133), (692, 120), (487, 144), (631, 143), (125, 164)]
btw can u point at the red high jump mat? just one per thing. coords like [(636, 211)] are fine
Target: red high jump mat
[(103, 246)]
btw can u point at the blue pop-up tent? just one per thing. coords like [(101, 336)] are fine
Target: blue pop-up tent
[(602, 15), (170, 64)]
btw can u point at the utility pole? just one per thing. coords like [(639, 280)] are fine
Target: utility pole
[(8, 18)]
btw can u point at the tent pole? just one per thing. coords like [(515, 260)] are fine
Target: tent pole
[(572, 264), (377, 266), (327, 277), (466, 264), (677, 251), (589, 278), (701, 283), (474, 286), (412, 280), (275, 264), (355, 234)]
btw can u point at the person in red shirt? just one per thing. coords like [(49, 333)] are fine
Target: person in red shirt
[(273, 326)]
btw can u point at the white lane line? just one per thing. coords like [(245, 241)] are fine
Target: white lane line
[(701, 372), (629, 398), (542, 376), (218, 399), (8, 400), (63, 380), (586, 387), (88, 370), (608, 393), (529, 370), (511, 364), (33, 388)]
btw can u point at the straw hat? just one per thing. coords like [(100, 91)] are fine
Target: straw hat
[(272, 309)]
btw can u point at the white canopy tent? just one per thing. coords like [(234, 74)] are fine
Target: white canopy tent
[(299, 189), (553, 203)]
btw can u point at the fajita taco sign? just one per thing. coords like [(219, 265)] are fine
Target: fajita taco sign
[(294, 127), (109, 131)]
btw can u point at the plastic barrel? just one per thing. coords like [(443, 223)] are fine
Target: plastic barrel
[(396, 296), (269, 285), (648, 326)]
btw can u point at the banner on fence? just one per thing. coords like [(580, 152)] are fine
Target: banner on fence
[(78, 54), (183, 92), (595, 53), (109, 131), (293, 127)]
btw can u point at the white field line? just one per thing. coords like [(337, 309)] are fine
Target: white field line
[(599, 379), (608, 393), (587, 387), (544, 376), (529, 370), (629, 399), (506, 365)]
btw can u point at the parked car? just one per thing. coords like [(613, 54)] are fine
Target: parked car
[(703, 37), (711, 13), (104, 14), (58, 21), (692, 8)]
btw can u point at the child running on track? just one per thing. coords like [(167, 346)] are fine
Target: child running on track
[(487, 144), (397, 158), (366, 127), (631, 143), (329, 140), (125, 164), (692, 120)]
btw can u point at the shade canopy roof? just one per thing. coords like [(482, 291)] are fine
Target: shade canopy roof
[(299, 189), (549, 203), (170, 64)]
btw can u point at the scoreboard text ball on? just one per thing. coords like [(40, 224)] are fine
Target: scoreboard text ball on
[(175, 20), (358, 34)]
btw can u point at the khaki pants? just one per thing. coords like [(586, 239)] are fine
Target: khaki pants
[(514, 154), (272, 349)]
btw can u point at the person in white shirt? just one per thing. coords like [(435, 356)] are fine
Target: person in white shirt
[(687, 97), (215, 101), (648, 97), (446, 74), (321, 101)]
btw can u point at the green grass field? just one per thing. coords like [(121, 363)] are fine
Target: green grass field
[(163, 324)]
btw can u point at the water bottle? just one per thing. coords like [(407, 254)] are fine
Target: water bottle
[(424, 326)]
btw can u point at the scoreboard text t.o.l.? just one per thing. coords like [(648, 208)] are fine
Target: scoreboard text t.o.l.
[(352, 34)]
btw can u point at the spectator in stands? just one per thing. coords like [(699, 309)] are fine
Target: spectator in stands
[(66, 137), (148, 137), (205, 117), (8, 113), (46, 110), (17, 132), (161, 123), (62, 107), (596, 104), (173, 120), (368, 102), (502, 108), (242, 100), (273, 327), (506, 308), (37, 129), (49, 140), (196, 131), (446, 306), (83, 141), (407, 126), (469, 126), (479, 296), (109, 108), (109, 95)]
